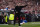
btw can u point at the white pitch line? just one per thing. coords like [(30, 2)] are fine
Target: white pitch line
[(3, 24), (35, 23)]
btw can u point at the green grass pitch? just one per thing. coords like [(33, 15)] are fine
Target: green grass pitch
[(29, 24)]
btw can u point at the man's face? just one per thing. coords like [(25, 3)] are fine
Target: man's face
[(18, 4)]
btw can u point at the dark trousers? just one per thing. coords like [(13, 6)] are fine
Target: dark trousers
[(0, 22), (38, 18), (17, 15)]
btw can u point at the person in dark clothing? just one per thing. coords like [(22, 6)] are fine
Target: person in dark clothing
[(1, 19), (17, 13), (29, 16), (38, 15), (33, 16)]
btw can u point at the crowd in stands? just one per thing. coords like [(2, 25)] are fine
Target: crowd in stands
[(31, 5)]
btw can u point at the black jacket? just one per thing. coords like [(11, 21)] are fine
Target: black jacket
[(18, 8)]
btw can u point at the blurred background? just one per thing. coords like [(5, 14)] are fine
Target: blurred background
[(30, 13)]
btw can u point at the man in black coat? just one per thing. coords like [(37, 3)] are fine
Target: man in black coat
[(17, 13)]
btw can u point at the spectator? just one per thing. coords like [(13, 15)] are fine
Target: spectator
[(38, 16), (30, 16), (33, 16)]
